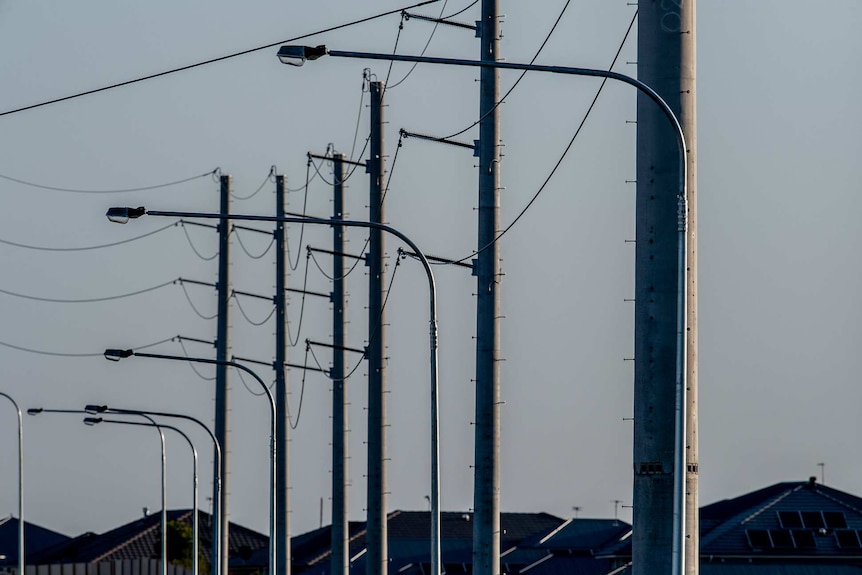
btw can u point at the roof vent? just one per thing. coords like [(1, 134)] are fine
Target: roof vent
[(811, 481), (146, 511), (465, 517)]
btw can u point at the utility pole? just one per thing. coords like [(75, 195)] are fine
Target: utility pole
[(377, 555), (222, 403), (282, 428), (486, 483), (667, 63), (340, 531)]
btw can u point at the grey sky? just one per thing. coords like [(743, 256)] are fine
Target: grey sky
[(779, 143)]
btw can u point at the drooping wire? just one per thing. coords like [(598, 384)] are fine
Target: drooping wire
[(194, 308), (248, 253), (214, 60), (521, 77), (269, 178), (62, 354), (367, 239), (379, 321), (194, 249), (295, 424), (291, 341), (302, 225), (191, 363), (562, 156), (87, 300), (85, 248), (428, 43), (247, 387), (395, 48), (114, 191), (366, 73), (329, 375), (247, 318), (321, 176), (459, 12)]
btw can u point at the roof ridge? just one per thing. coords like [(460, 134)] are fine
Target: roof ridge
[(137, 537), (732, 523), (837, 500)]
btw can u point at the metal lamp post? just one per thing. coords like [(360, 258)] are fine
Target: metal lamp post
[(160, 426), (298, 55), (216, 525), (20, 483), (164, 514), (123, 215), (118, 354)]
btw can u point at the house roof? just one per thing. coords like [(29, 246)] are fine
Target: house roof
[(36, 538), (139, 538), (801, 521)]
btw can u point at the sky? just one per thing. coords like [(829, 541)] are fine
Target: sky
[(779, 203)]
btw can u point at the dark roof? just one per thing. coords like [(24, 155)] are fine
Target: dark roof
[(140, 538), (36, 538)]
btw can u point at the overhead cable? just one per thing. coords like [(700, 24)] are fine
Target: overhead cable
[(214, 60), (268, 178), (428, 43), (87, 300), (524, 73), (111, 191), (562, 156), (63, 354), (85, 248)]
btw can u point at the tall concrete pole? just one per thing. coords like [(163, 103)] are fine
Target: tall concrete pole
[(222, 403), (666, 62), (282, 440), (377, 560), (486, 482), (340, 531)]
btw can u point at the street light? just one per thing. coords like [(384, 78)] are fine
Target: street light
[(164, 514), (297, 55), (92, 421), (20, 484), (124, 214), (120, 214), (216, 525)]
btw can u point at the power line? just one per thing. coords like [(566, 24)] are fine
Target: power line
[(64, 354), (112, 191), (428, 43), (88, 300), (562, 156), (85, 248), (521, 77), (214, 60)]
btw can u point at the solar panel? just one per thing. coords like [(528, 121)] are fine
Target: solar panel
[(835, 520), (758, 538), (804, 538), (790, 519), (813, 520), (781, 538), (847, 539)]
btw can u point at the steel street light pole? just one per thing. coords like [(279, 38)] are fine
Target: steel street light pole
[(122, 215), (118, 354), (298, 55), (216, 526), (160, 426), (20, 484), (164, 514)]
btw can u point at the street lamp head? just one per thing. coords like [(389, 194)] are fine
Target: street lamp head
[(34, 411), (91, 408), (118, 354), (123, 215), (297, 55), (91, 421)]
